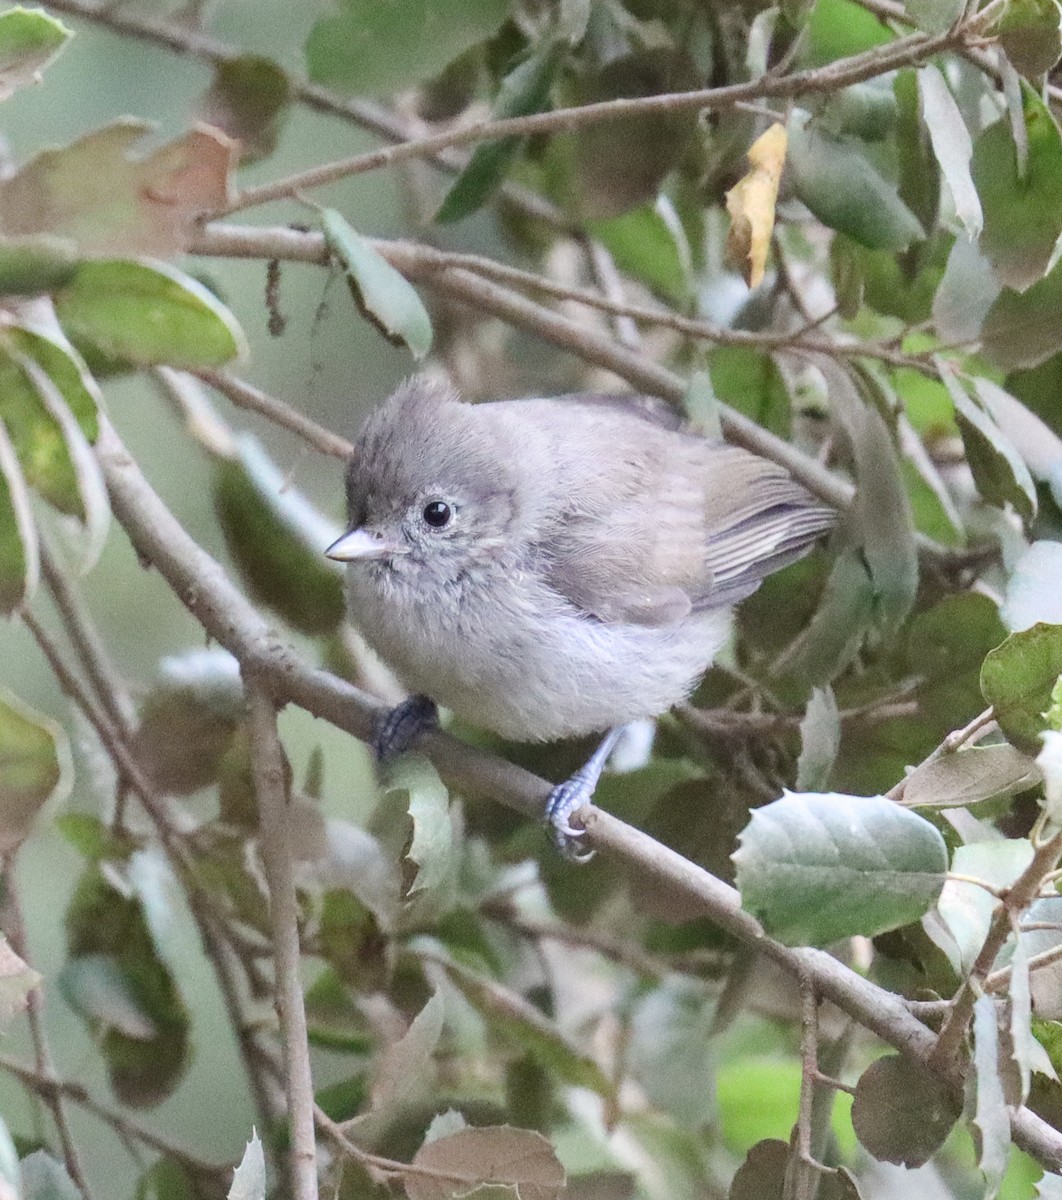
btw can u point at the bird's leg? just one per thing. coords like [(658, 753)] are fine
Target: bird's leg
[(399, 729), (572, 794)]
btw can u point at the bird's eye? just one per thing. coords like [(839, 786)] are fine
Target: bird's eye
[(437, 514)]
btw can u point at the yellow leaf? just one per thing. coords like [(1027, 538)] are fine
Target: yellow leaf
[(750, 203)]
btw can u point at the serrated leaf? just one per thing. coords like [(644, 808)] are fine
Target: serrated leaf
[(816, 867), (998, 469), (969, 776), (35, 766), (45, 1178), (431, 852), (1017, 678), (820, 741), (990, 1115), (276, 538), (523, 91), (902, 1112), (376, 46), (149, 314), (1049, 1187), (1022, 209), (967, 909), (110, 204), (29, 40), (952, 146), (487, 1154), (837, 181), (383, 296), (249, 1178)]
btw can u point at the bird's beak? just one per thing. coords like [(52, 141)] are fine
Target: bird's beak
[(357, 545)]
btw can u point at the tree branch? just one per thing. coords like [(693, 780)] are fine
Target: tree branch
[(274, 814), (202, 586)]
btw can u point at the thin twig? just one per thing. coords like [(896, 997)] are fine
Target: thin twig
[(45, 1085), (274, 814), (53, 1100), (908, 51)]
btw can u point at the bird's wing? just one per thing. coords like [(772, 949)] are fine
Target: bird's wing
[(655, 522)]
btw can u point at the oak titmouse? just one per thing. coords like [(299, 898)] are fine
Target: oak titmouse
[(548, 568)]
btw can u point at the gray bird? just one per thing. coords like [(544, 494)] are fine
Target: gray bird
[(557, 567)]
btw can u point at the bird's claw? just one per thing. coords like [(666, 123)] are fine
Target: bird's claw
[(400, 728), (565, 799)]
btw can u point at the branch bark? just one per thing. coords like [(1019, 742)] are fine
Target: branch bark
[(201, 584)]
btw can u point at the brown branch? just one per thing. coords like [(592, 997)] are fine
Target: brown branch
[(202, 586), (46, 1085), (418, 264), (274, 816), (245, 395), (908, 51)]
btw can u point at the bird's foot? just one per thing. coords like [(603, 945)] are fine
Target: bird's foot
[(400, 728), (566, 798)]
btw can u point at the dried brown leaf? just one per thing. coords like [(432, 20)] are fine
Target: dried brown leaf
[(750, 203), (491, 1155)]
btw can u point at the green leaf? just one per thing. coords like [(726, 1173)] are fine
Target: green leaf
[(188, 720), (149, 314), (934, 16), (966, 292), (36, 264), (247, 99), (838, 29), (880, 517), (1030, 37), (669, 1051), (820, 741), (1022, 211), (404, 1069), (951, 145), (376, 46), (621, 164), (382, 295), (836, 631), (29, 40), (751, 382), (525, 1026), (1033, 592), (990, 1114), (45, 1178), (99, 992), (1024, 329), (903, 1112), (969, 776), (103, 924), (276, 538), (351, 940), (650, 244), (35, 765), (1017, 679), (998, 469), (837, 181), (432, 855), (816, 867), (763, 1173), (167, 1180), (249, 1178), (965, 909), (19, 556), (64, 367), (523, 91), (334, 1020)]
